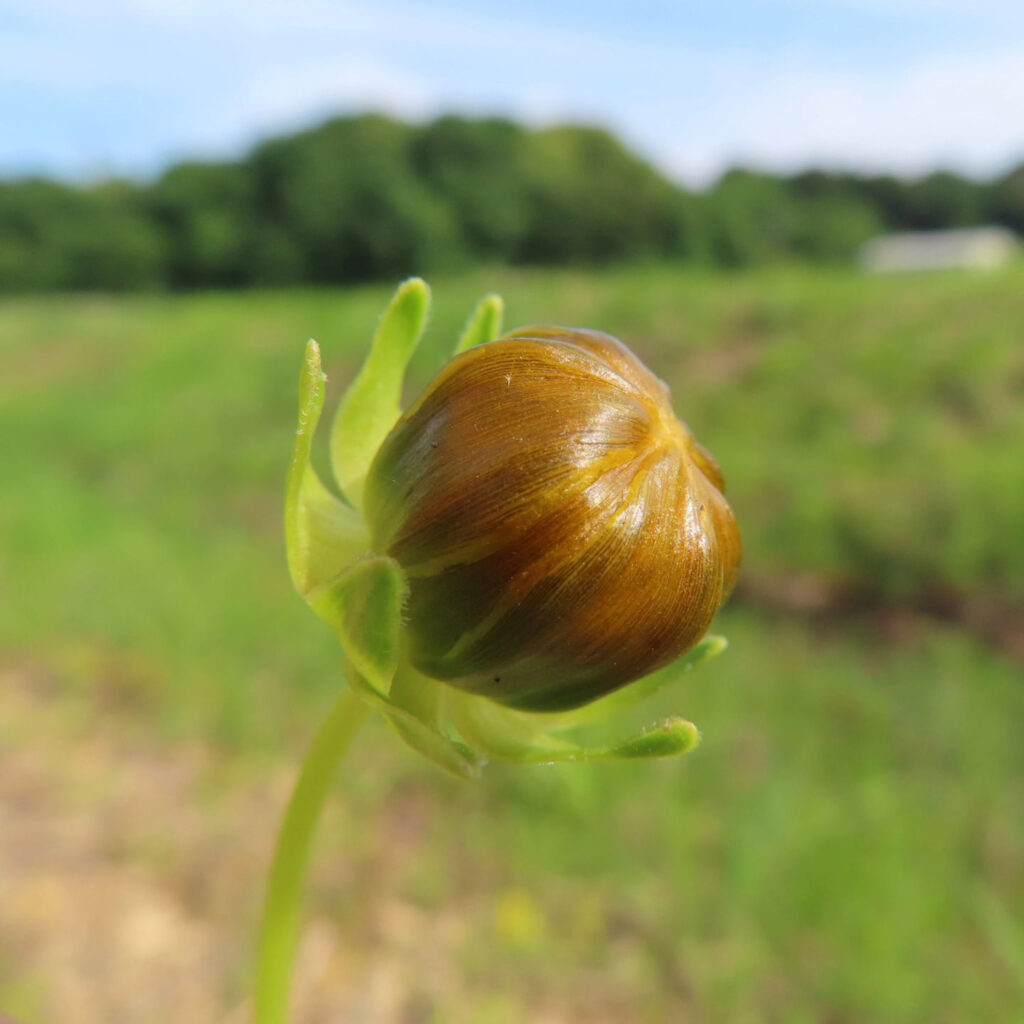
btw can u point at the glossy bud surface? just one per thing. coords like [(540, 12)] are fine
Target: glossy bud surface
[(561, 531)]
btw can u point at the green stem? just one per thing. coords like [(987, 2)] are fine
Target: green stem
[(279, 932)]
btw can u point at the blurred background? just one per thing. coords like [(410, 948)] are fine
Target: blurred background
[(803, 215)]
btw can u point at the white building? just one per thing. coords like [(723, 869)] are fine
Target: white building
[(983, 248)]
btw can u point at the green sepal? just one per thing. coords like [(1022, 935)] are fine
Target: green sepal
[(483, 325), (621, 701), (449, 754), (372, 404), (671, 737), (363, 605), (504, 734), (422, 736), (710, 647), (322, 534), (521, 738), (364, 608), (421, 696)]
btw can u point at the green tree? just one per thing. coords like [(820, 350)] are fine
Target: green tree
[(479, 169), (1006, 200), (348, 196), (833, 218), (754, 218), (57, 237), (592, 201), (939, 200), (206, 214)]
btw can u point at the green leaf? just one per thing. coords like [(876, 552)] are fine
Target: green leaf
[(372, 404), (364, 607), (484, 325), (322, 534)]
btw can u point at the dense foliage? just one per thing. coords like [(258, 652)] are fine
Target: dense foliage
[(366, 197)]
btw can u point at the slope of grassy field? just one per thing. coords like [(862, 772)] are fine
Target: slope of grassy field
[(846, 844)]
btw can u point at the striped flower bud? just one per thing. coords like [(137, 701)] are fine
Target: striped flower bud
[(562, 533)]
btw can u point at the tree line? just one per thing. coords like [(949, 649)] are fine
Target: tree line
[(368, 197)]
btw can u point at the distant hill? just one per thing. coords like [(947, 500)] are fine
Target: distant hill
[(367, 197)]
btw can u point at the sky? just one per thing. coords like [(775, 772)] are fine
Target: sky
[(93, 88)]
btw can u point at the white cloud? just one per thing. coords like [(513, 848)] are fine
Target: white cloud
[(287, 95), (28, 60), (392, 24), (993, 9), (281, 98), (966, 113), (264, 66)]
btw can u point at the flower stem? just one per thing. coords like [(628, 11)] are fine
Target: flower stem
[(279, 932)]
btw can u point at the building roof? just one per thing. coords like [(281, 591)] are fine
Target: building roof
[(921, 250)]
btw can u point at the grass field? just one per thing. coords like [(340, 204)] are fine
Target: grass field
[(847, 844)]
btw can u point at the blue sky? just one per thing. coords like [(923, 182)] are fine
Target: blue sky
[(94, 87)]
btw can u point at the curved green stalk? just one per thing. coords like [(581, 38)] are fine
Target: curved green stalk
[(279, 932)]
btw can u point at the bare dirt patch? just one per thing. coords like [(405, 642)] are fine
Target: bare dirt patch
[(131, 877)]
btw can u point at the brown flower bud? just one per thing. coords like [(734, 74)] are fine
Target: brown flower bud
[(562, 533)]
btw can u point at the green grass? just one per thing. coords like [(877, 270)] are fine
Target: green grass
[(833, 845), (846, 844)]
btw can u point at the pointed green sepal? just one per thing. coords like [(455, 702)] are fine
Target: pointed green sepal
[(322, 534), (643, 689), (710, 647), (484, 325), (372, 404), (446, 753), (669, 738), (521, 738), (424, 737), (364, 607), (504, 734), (422, 697)]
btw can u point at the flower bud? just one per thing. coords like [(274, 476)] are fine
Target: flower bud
[(561, 531)]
